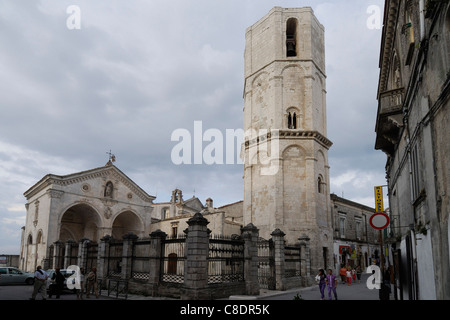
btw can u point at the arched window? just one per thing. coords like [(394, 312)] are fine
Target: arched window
[(39, 237), (409, 25), (172, 266), (291, 37), (293, 118), (165, 213), (408, 31)]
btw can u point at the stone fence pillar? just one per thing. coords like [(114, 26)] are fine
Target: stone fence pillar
[(250, 235), (156, 239), (102, 257), (279, 258), (196, 263), (127, 255)]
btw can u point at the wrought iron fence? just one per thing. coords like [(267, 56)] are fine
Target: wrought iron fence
[(292, 259), (225, 260), (91, 255), (140, 260), (118, 287), (72, 255), (173, 258), (114, 268), (266, 264)]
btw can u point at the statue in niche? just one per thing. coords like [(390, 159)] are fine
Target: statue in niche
[(397, 77), (109, 190)]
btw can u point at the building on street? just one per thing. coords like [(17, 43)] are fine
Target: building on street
[(412, 129), (355, 241)]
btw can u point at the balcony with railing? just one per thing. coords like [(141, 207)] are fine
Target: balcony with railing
[(389, 119)]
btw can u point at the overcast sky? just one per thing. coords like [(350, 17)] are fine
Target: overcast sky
[(138, 70)]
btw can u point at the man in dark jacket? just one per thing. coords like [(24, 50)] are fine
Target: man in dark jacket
[(58, 286)]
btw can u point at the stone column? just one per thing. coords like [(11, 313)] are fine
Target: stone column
[(250, 235), (68, 253), (127, 255), (278, 246), (156, 239), (57, 258), (196, 264), (102, 257)]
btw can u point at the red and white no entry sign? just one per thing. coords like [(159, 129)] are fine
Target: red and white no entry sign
[(379, 220)]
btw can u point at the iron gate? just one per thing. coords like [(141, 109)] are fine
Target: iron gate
[(114, 269), (140, 260), (266, 264), (72, 255), (91, 256), (173, 258), (225, 260)]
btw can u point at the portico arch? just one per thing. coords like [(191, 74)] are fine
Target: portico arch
[(30, 253), (78, 222), (125, 222)]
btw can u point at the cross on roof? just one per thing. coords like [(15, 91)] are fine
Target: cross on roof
[(112, 157)]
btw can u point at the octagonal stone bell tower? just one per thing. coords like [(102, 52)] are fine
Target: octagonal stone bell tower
[(286, 171)]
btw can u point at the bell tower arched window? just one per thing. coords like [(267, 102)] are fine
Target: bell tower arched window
[(293, 118), (291, 37)]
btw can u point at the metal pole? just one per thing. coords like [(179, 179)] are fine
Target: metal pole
[(381, 251)]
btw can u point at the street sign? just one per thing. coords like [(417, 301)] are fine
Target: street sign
[(379, 220), (379, 199)]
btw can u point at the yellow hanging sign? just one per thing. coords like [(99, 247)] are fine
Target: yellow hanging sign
[(379, 199)]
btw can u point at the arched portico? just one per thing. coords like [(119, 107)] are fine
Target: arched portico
[(125, 222), (80, 221)]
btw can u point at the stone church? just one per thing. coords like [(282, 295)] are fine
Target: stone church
[(286, 169)]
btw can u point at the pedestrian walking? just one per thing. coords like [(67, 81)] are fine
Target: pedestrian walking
[(40, 283), (82, 285), (92, 282), (321, 279), (331, 283), (358, 273), (349, 277), (354, 274), (57, 287), (343, 273)]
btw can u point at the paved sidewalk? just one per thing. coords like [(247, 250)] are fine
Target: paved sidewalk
[(354, 292), (357, 291)]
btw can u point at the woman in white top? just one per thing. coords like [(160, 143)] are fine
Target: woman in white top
[(349, 277)]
